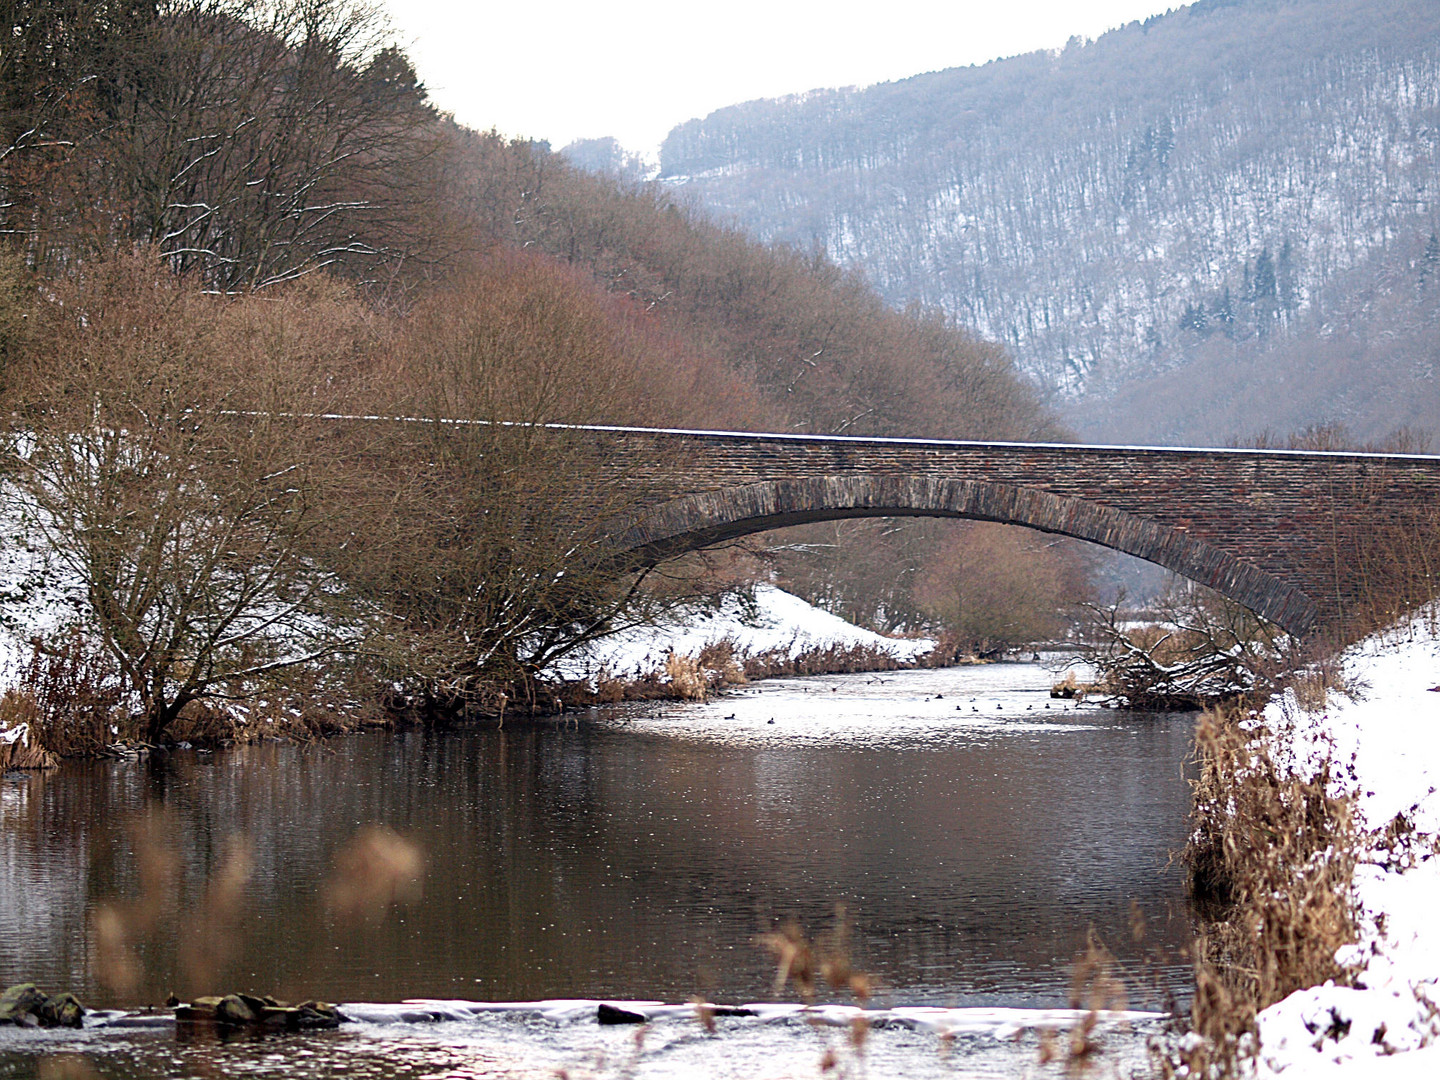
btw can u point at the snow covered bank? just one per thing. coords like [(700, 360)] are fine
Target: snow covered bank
[(778, 622), (38, 593), (1385, 744)]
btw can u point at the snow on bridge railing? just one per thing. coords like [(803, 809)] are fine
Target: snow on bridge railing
[(883, 440)]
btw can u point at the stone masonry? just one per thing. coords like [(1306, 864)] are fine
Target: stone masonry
[(1267, 528)]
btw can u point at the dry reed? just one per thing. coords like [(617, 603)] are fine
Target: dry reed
[(1272, 857)]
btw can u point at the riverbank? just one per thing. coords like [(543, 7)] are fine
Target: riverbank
[(746, 636), (1374, 749), (761, 633)]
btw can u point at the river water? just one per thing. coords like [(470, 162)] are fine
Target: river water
[(976, 834)]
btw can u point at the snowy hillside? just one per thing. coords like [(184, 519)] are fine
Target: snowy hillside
[(1219, 177)]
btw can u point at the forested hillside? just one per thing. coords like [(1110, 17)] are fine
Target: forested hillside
[(224, 222), (1233, 204)]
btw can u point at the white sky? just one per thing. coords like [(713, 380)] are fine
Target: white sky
[(567, 69)]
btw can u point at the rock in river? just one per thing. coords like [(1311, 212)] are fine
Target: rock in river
[(27, 1005), (246, 1011)]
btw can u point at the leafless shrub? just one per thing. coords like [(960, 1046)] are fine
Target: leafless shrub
[(1199, 650), (161, 456), (990, 586)]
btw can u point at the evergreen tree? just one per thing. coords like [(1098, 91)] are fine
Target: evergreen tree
[(1223, 310), (1195, 319), (1285, 277), (1263, 282), (1431, 262), (1163, 142)]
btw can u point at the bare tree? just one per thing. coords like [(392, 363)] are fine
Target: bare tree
[(257, 141), (191, 527), (483, 542)]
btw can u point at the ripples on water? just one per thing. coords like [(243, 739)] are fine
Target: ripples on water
[(973, 835)]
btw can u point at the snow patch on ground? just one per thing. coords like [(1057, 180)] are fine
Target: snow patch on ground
[(778, 621), (39, 594), (1385, 743)]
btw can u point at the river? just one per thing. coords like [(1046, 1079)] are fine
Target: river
[(974, 832)]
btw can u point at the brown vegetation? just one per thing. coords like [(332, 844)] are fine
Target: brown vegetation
[(995, 586), (1272, 858), (254, 142), (178, 934), (823, 352), (191, 526), (1193, 649), (313, 239)]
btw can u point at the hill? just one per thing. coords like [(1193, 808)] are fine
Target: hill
[(1189, 229)]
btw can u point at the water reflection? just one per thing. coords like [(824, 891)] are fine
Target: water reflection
[(637, 855)]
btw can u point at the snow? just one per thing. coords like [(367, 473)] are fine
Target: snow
[(39, 594), (877, 440), (1385, 741), (766, 1041), (778, 622)]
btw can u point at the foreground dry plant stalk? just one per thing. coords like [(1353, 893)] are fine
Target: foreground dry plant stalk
[(807, 964), (1272, 858), (373, 872), (165, 937)]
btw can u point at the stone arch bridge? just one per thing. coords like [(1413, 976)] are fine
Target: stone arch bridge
[(1270, 529)]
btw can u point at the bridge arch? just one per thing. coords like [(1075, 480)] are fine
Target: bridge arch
[(699, 520)]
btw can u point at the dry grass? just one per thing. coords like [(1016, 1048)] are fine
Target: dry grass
[(809, 965), (171, 933), (1272, 859), (17, 750), (686, 679), (71, 699), (69, 694), (1070, 688), (833, 659), (723, 664)]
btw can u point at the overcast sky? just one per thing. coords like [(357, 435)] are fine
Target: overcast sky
[(562, 69)]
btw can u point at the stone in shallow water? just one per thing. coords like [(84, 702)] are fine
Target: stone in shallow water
[(609, 1014), (63, 1010), (247, 1011), (19, 1001), (27, 1005)]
